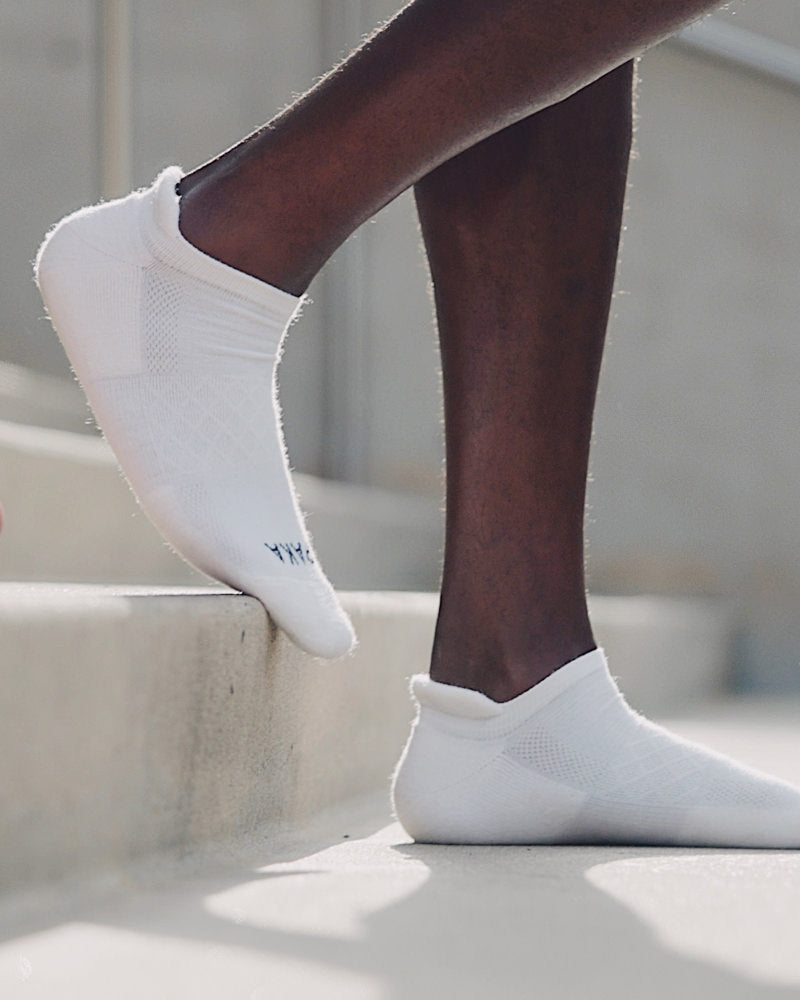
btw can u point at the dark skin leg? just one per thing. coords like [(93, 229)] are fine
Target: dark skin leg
[(522, 233), (535, 250), (438, 78)]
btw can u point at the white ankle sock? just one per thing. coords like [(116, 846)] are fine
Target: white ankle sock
[(177, 354), (570, 762)]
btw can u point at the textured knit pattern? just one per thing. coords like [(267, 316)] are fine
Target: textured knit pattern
[(177, 354), (570, 762)]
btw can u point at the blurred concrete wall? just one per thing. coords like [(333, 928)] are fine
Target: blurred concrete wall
[(696, 462), (696, 468)]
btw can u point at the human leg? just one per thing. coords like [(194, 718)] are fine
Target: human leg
[(521, 233), (176, 340), (438, 78)]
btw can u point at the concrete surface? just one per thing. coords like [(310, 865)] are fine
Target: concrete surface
[(139, 720), (353, 911), (70, 516)]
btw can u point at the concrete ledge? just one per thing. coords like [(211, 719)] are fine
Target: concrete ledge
[(70, 516), (138, 722)]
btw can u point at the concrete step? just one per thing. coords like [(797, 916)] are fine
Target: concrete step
[(31, 397), (353, 911), (139, 720), (136, 721), (70, 516)]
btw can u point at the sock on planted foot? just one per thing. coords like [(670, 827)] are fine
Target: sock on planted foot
[(568, 762), (177, 354)]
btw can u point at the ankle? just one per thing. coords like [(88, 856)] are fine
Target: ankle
[(503, 672), (219, 220)]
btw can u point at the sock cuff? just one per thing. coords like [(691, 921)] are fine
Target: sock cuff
[(561, 680), (451, 700), (463, 703), (159, 226)]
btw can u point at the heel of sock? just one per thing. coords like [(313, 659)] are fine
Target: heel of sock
[(452, 788)]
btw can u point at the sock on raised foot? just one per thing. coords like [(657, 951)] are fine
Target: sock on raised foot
[(568, 762), (177, 354)]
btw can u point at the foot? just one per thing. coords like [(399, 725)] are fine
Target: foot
[(568, 762), (177, 354)]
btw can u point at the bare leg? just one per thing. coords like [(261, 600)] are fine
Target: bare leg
[(522, 233), (437, 79)]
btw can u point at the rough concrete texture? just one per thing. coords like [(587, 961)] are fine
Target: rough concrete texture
[(135, 722), (355, 912)]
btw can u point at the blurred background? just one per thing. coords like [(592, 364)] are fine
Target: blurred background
[(696, 465)]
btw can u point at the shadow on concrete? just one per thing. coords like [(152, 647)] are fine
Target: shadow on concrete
[(411, 922)]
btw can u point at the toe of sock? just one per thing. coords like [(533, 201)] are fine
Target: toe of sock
[(310, 613)]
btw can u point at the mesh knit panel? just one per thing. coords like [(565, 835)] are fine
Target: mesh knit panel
[(546, 754), (161, 301)]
